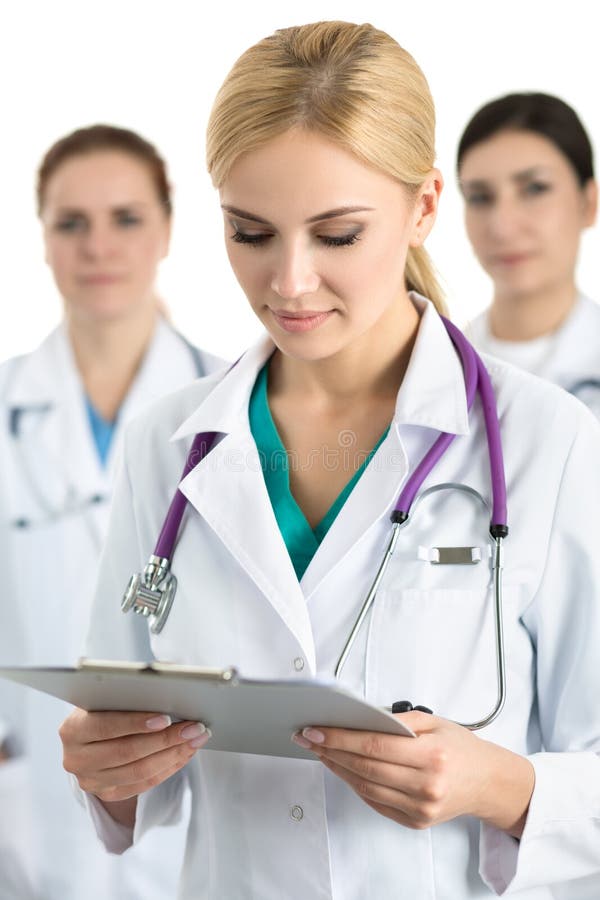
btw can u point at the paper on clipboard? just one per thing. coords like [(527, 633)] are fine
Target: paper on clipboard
[(244, 715)]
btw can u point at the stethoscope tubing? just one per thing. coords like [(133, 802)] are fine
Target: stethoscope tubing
[(158, 578)]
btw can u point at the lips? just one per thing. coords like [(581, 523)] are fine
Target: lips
[(511, 259), (101, 278), (300, 321)]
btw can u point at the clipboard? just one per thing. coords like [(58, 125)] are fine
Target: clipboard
[(245, 715)]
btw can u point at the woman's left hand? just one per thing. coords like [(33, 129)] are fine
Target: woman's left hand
[(447, 771)]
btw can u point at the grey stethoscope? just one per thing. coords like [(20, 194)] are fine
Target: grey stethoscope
[(151, 593), (73, 503)]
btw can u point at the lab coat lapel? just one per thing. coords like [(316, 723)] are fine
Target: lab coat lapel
[(167, 365), (576, 357), (58, 439), (228, 490)]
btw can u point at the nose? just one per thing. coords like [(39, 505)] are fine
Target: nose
[(505, 219), (294, 273), (97, 241)]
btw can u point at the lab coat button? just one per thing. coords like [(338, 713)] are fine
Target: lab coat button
[(297, 813), (299, 664)]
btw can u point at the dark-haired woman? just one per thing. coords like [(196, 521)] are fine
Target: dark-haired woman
[(526, 171), (105, 207)]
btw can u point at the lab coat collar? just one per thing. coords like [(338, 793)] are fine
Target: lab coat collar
[(46, 385), (432, 393), (225, 409), (578, 356), (40, 377), (37, 378), (45, 394)]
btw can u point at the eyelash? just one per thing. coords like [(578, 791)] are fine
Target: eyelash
[(257, 240)]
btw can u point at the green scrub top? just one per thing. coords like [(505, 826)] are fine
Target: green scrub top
[(300, 539)]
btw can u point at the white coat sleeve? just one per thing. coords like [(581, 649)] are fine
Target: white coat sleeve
[(561, 838), (113, 635)]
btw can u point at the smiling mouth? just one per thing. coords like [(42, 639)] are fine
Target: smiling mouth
[(306, 320)]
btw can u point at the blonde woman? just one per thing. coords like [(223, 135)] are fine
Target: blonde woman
[(321, 145)]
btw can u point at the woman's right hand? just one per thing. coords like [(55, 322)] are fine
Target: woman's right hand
[(118, 755)]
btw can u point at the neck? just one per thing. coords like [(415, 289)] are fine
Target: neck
[(523, 317), (108, 355), (373, 365)]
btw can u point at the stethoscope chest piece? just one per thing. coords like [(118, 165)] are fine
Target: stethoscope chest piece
[(151, 593)]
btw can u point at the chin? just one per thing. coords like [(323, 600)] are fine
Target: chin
[(312, 350), (102, 312), (104, 306)]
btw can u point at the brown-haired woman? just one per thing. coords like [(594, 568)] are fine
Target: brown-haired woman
[(526, 170), (104, 203)]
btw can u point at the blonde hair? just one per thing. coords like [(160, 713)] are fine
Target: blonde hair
[(351, 83)]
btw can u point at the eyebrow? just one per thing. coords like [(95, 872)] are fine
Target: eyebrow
[(121, 207), (329, 214), (524, 175)]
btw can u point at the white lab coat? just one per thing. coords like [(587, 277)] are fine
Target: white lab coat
[(49, 571), (570, 357), (429, 637)]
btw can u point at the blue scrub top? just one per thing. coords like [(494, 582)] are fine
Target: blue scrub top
[(300, 539), (102, 431)]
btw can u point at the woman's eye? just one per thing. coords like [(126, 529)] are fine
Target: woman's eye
[(534, 188), (343, 240), (254, 240), (479, 199), (71, 225), (127, 219)]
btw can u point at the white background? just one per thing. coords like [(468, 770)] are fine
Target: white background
[(155, 65)]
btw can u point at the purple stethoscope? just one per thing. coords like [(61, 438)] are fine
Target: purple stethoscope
[(151, 593)]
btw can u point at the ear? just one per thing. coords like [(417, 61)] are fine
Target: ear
[(426, 206), (590, 201)]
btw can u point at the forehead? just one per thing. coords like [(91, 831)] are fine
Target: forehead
[(508, 153), (100, 179), (302, 173)]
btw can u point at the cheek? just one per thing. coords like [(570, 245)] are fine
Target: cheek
[(61, 259), (475, 228), (379, 268), (146, 253), (250, 268), (560, 228)]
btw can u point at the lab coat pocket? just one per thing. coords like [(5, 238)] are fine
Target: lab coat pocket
[(435, 647)]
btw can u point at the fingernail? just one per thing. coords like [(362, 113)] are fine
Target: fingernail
[(193, 731), (314, 736), (302, 742), (202, 740), (156, 723)]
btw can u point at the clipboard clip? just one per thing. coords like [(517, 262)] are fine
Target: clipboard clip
[(229, 676)]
